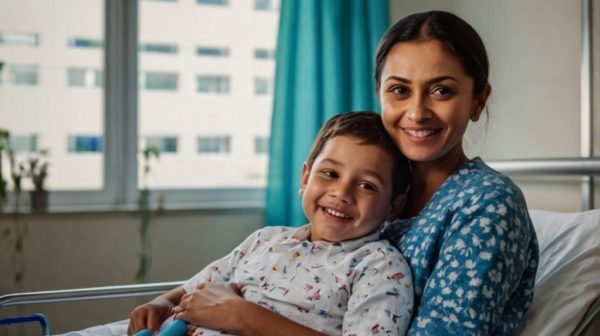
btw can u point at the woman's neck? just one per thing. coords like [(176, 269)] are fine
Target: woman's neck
[(427, 177)]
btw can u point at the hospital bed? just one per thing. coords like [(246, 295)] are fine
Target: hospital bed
[(567, 297)]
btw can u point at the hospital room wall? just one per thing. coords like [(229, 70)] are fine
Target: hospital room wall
[(534, 110), (87, 250)]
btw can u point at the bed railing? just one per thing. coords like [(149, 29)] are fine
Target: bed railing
[(84, 294), (586, 167)]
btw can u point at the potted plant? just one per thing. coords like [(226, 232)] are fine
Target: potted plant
[(37, 171)]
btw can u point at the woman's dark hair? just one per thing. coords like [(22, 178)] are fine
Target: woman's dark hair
[(456, 34)]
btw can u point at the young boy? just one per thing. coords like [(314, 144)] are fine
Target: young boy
[(333, 275)]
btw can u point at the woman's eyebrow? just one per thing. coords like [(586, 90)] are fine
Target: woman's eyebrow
[(428, 82)]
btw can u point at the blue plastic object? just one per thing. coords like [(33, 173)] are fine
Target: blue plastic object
[(177, 328), (36, 317)]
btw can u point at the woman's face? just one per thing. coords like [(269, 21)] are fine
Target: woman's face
[(427, 100)]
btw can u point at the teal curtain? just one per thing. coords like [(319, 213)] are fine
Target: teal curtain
[(325, 61)]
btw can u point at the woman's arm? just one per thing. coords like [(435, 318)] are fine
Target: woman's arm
[(482, 281), (220, 307)]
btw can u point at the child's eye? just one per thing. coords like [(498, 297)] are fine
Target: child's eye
[(330, 173), (367, 186)]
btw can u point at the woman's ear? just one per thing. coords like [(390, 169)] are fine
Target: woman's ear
[(480, 101), (396, 207), (304, 178)]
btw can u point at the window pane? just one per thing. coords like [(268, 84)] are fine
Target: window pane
[(159, 81), (213, 2), (159, 48), (49, 48), (212, 51), (264, 54), (261, 145), (213, 145), (23, 143), (20, 39), (213, 113), (85, 144), (213, 84), (162, 143)]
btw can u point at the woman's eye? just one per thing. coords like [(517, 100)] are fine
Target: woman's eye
[(330, 173), (442, 91), (400, 91)]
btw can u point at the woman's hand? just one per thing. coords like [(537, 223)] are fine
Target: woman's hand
[(149, 316), (214, 306)]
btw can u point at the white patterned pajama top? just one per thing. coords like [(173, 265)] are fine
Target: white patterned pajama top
[(359, 287)]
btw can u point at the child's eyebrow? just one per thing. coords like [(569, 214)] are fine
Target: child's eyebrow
[(365, 171)]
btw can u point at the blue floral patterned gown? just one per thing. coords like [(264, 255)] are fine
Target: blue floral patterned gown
[(473, 254)]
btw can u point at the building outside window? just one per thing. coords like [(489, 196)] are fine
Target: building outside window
[(212, 51), (214, 145), (21, 39), (213, 84), (84, 77), (84, 144), (165, 144), (82, 42), (23, 75), (261, 145), (159, 48), (159, 81), (213, 2)]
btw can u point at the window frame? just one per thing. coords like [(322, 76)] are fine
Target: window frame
[(120, 136)]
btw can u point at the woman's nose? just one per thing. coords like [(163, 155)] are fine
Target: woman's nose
[(419, 110)]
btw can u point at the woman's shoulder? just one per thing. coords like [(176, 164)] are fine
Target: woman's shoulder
[(481, 183)]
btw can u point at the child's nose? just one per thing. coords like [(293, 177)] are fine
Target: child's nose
[(343, 192)]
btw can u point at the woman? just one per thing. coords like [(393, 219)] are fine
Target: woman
[(465, 231)]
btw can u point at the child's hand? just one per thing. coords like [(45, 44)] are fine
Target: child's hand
[(149, 316), (211, 305)]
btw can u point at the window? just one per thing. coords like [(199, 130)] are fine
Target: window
[(22, 39), (80, 42), (159, 48), (23, 75), (264, 54), (213, 2), (81, 77), (264, 5), (165, 144), (261, 145), (213, 84), (214, 145), (85, 144), (263, 86), (23, 143), (163, 81), (212, 51)]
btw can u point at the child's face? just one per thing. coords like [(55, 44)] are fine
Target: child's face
[(347, 192)]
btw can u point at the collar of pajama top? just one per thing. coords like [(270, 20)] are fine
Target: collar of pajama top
[(302, 233)]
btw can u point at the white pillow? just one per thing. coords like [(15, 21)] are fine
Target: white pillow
[(568, 276)]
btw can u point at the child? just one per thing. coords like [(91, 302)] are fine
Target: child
[(333, 275)]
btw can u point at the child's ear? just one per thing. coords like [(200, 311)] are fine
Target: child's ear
[(304, 178), (396, 207)]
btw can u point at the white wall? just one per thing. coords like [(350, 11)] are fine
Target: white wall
[(534, 110)]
